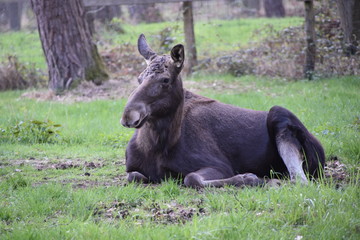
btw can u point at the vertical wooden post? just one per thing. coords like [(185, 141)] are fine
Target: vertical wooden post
[(190, 47), (309, 66)]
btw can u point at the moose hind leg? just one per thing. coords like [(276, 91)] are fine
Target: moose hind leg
[(210, 177), (239, 180), (291, 156)]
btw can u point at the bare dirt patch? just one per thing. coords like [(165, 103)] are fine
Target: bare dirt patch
[(122, 88), (62, 164), (87, 91), (172, 213), (336, 170), (125, 64)]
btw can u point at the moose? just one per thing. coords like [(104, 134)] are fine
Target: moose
[(203, 142)]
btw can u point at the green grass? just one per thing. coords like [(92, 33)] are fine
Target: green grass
[(82, 202), (212, 37), (25, 45), (53, 211)]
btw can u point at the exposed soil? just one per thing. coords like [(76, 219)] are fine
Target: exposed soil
[(87, 91), (121, 88), (172, 213), (125, 64), (43, 164), (334, 170)]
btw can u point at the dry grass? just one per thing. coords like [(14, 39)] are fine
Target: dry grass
[(15, 75)]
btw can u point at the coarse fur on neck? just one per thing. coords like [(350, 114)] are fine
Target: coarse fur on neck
[(159, 135)]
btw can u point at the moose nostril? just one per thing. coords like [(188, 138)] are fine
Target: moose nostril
[(136, 123)]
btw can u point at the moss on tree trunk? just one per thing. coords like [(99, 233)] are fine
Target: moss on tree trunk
[(70, 52), (96, 72)]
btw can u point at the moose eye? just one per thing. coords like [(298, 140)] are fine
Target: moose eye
[(166, 80)]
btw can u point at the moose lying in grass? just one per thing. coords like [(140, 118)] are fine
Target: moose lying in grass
[(207, 143)]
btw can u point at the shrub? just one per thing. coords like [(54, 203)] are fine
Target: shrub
[(15, 75), (282, 53), (32, 131)]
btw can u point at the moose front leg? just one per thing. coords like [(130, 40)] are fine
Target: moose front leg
[(214, 178), (136, 177)]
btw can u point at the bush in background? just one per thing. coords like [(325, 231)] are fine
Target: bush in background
[(32, 131), (282, 53), (15, 75)]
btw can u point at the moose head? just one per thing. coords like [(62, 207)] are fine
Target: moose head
[(160, 90)]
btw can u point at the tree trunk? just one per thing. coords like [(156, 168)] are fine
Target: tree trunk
[(66, 40), (190, 47), (274, 8), (349, 11), (356, 21), (310, 52), (14, 13)]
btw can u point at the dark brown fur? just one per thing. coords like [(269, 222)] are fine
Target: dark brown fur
[(183, 135)]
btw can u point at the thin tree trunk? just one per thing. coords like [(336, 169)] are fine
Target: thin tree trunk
[(349, 11), (66, 40), (14, 14), (274, 8), (356, 21), (190, 47), (309, 66)]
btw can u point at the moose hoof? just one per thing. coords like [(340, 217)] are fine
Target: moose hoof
[(136, 177), (248, 179), (274, 183), (193, 180)]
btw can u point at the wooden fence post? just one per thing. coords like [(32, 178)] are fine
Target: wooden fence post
[(310, 56), (190, 47)]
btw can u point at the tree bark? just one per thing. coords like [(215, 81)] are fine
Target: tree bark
[(356, 21), (349, 11), (310, 52), (274, 8), (190, 48), (66, 40), (14, 14)]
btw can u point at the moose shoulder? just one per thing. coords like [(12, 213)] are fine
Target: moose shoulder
[(205, 142)]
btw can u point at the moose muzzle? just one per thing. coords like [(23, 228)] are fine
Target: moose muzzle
[(134, 116)]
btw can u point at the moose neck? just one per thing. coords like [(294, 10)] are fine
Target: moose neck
[(159, 135)]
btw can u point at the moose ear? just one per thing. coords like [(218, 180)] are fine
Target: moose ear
[(144, 48), (178, 55)]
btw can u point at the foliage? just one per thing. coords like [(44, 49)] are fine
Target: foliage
[(282, 53), (32, 131), (212, 37), (25, 45), (115, 25), (166, 39), (15, 75)]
